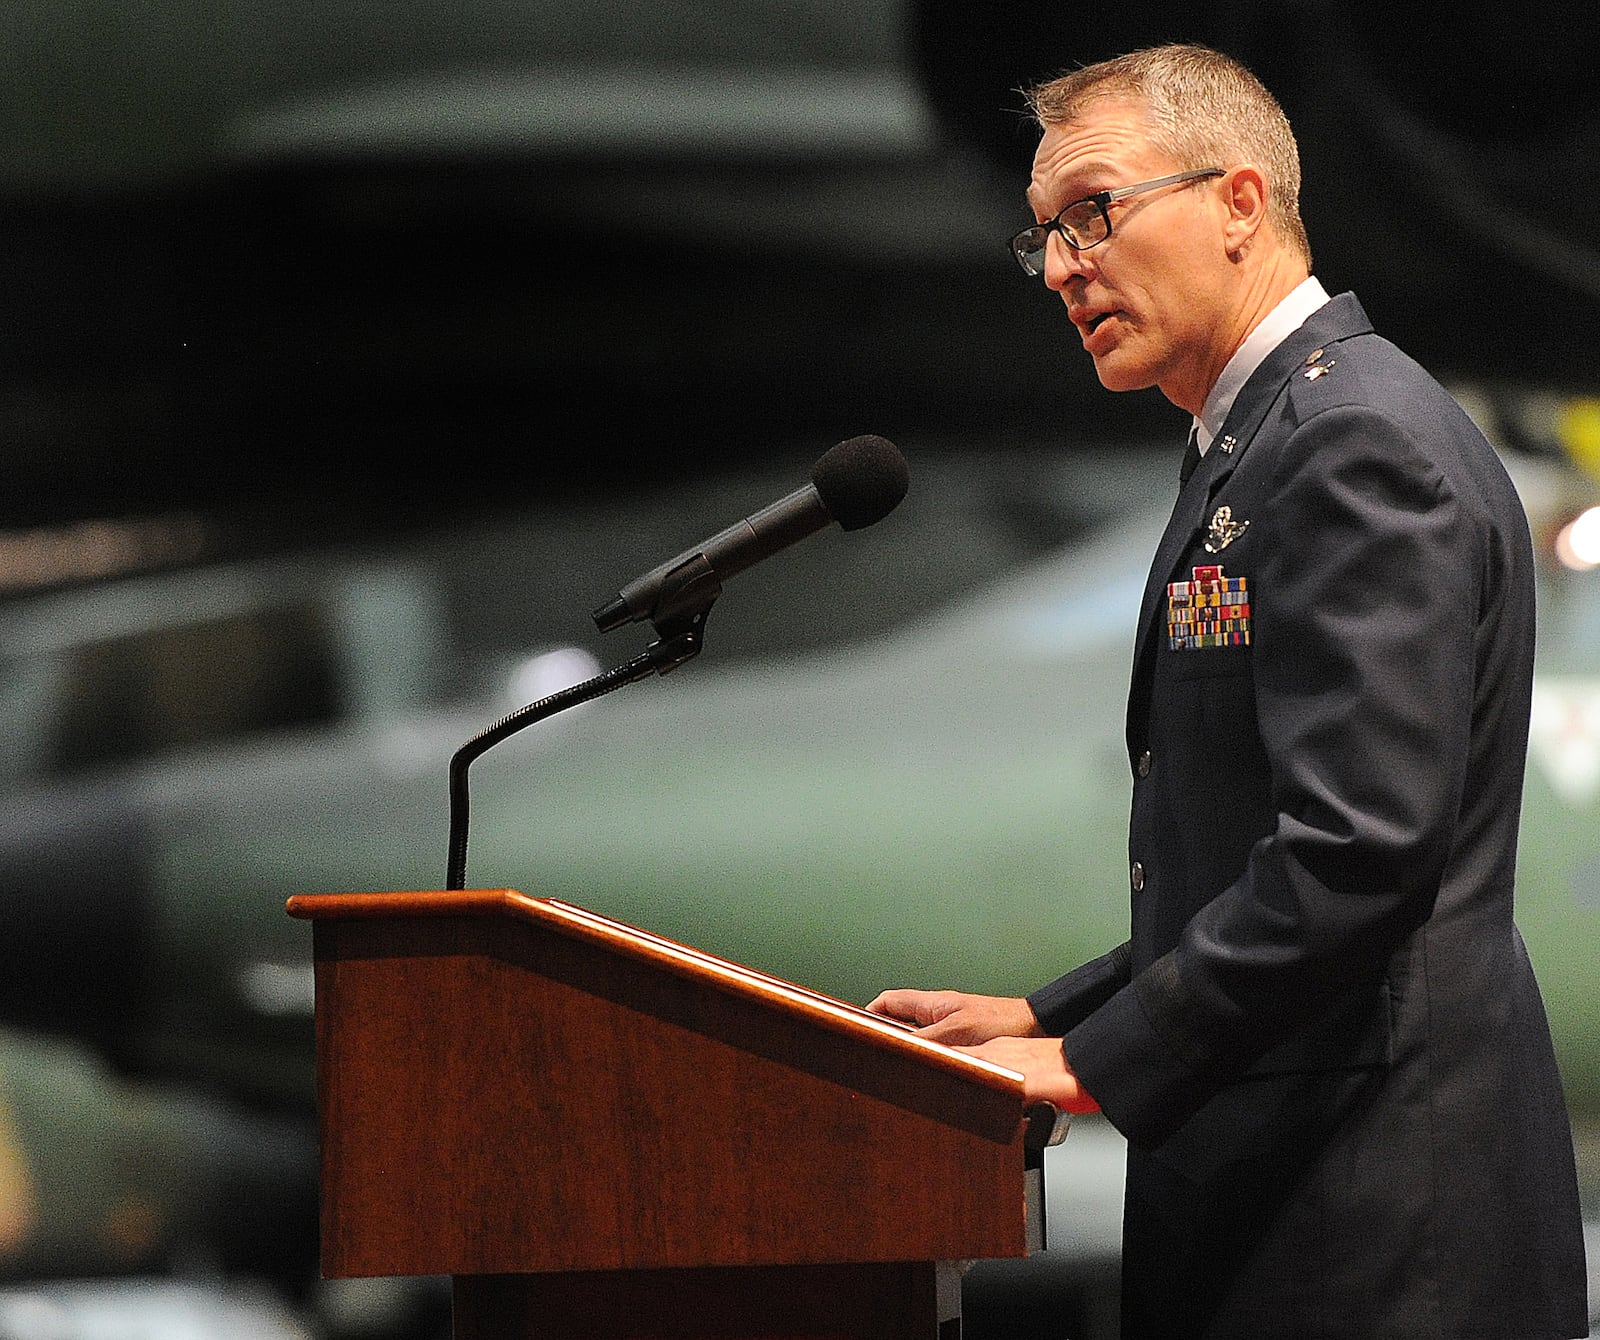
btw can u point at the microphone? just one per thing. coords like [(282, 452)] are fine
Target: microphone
[(857, 482)]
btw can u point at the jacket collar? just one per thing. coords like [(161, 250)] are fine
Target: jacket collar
[(1338, 319)]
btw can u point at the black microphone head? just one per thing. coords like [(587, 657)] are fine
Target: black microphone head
[(861, 480)]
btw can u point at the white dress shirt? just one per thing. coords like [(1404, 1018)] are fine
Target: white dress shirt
[(1278, 324)]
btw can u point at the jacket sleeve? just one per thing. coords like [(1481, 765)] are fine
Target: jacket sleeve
[(1069, 1000), (1365, 604)]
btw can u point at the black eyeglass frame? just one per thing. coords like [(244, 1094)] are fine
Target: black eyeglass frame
[(1028, 246)]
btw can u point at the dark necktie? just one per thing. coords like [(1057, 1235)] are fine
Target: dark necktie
[(1191, 458)]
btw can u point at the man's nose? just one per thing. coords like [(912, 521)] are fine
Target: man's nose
[(1062, 263)]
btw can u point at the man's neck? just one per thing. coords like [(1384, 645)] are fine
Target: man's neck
[(1261, 291), (1264, 277)]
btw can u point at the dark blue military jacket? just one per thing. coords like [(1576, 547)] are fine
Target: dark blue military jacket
[(1323, 1038)]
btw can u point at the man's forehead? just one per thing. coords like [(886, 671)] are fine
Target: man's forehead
[(1062, 179), (1099, 148), (1049, 178)]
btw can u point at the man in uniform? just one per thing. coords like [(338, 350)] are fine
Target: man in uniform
[(1323, 1038)]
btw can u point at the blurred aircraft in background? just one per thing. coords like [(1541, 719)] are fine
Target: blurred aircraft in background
[(943, 802)]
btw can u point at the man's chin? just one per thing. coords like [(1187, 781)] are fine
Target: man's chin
[(1116, 375)]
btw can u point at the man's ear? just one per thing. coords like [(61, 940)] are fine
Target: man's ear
[(1245, 190)]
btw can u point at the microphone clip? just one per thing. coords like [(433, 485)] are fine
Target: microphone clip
[(678, 612)]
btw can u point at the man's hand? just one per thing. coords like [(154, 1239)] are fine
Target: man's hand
[(1046, 1076), (958, 1019)]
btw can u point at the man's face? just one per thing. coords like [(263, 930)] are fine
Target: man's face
[(1151, 301)]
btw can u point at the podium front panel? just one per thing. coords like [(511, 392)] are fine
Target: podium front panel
[(498, 1095)]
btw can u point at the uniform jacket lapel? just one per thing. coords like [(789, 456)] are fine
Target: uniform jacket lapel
[(1338, 319)]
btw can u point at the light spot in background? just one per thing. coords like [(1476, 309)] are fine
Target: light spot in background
[(1578, 428), (1564, 736), (549, 672), (1578, 542)]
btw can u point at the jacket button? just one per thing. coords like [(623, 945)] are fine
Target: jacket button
[(1137, 876), (1143, 766)]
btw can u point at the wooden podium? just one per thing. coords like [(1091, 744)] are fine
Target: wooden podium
[(600, 1134)]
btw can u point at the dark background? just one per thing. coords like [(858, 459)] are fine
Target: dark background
[(342, 340)]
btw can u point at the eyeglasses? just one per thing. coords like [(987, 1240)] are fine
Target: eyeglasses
[(1087, 223)]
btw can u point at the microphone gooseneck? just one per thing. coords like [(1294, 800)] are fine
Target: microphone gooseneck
[(856, 483)]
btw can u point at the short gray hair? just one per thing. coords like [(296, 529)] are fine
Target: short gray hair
[(1204, 108)]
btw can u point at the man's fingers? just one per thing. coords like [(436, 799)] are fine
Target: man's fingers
[(916, 1007)]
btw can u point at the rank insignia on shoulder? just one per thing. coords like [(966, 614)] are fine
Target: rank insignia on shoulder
[(1210, 611), (1224, 530)]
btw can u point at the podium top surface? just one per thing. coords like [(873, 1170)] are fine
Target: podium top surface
[(554, 915)]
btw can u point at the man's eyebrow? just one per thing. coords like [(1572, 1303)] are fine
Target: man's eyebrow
[(1092, 170)]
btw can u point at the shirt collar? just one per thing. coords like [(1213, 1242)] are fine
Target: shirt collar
[(1281, 322)]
